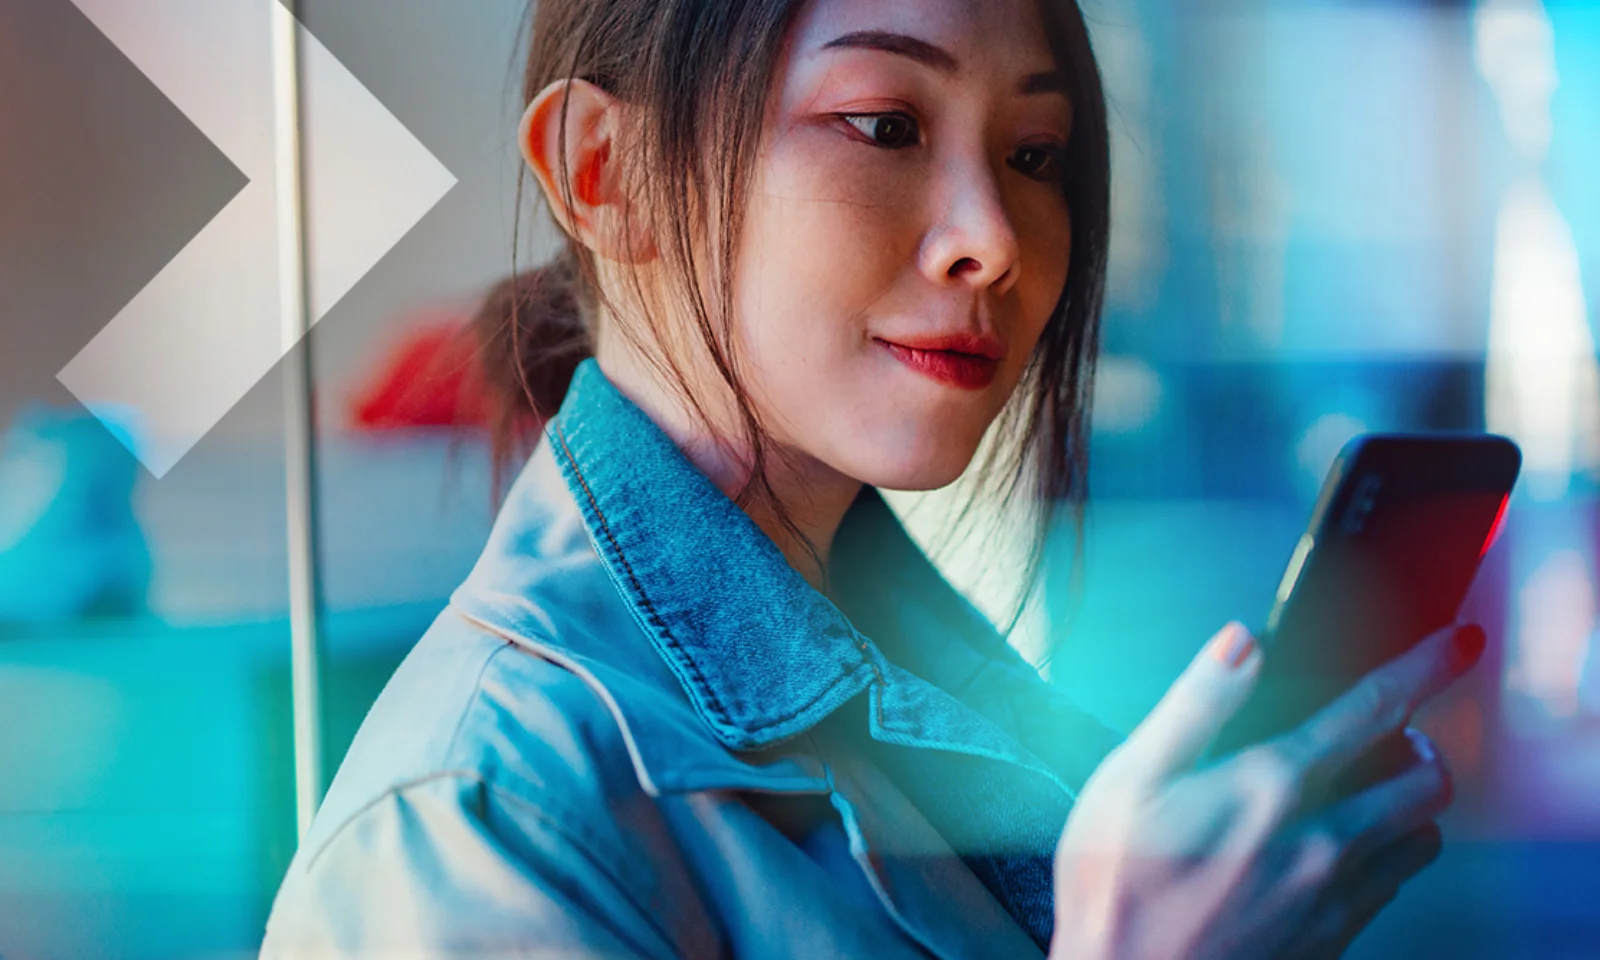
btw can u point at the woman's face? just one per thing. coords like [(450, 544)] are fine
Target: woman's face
[(907, 236)]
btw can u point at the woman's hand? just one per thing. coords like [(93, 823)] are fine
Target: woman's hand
[(1160, 859)]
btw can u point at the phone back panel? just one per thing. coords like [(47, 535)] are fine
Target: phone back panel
[(1394, 543)]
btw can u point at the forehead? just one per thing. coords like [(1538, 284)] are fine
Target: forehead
[(986, 33)]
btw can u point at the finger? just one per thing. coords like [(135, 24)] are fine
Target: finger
[(1332, 931), (1382, 702), (1203, 698), (1393, 864), (1365, 890), (1392, 756), (1380, 815)]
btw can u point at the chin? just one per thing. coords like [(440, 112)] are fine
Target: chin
[(920, 468)]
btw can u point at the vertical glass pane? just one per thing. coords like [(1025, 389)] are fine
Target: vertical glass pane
[(141, 619), (402, 480)]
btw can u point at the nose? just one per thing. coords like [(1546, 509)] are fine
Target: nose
[(972, 242)]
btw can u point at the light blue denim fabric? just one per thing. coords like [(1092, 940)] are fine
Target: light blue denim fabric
[(637, 732)]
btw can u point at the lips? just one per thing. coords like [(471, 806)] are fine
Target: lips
[(964, 361)]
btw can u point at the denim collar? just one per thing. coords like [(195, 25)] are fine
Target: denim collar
[(757, 653), (762, 654)]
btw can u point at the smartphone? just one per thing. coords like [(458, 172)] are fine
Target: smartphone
[(1394, 542)]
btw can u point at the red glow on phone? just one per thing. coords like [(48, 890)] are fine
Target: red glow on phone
[(1494, 528)]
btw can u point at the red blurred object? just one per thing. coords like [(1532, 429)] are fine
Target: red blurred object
[(431, 378)]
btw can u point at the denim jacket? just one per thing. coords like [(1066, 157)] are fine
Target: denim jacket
[(636, 731)]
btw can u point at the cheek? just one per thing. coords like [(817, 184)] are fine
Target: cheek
[(1046, 252), (814, 162), (819, 249), (834, 211)]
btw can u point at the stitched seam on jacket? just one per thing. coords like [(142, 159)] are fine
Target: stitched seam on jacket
[(555, 826), (472, 701), (449, 750), (608, 701), (638, 588), (876, 673), (558, 827), (546, 651)]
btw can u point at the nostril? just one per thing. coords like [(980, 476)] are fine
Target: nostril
[(964, 265)]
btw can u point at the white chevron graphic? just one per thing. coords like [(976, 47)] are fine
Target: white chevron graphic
[(208, 327)]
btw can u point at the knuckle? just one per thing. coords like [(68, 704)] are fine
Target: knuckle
[(1120, 764), (1272, 777), (1382, 689), (1386, 699), (1187, 699), (1317, 859), (1336, 920), (1115, 781)]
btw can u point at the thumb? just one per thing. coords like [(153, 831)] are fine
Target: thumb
[(1204, 697)]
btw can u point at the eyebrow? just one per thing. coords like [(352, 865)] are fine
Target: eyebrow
[(940, 59), (897, 43)]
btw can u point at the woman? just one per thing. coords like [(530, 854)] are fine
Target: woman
[(702, 696)]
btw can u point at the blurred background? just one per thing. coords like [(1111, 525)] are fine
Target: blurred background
[(1330, 216)]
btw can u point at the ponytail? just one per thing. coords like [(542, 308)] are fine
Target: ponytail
[(530, 337)]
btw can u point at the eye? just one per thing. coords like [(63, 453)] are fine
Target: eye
[(893, 131), (1041, 161)]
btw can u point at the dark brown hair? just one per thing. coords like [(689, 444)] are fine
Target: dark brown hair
[(698, 74)]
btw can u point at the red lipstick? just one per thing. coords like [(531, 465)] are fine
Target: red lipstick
[(965, 361)]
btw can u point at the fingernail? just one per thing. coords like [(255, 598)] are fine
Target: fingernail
[(1468, 643), (1422, 745), (1232, 646)]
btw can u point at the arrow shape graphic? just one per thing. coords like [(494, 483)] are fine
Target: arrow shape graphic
[(208, 327)]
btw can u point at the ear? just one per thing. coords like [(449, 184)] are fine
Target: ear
[(596, 210)]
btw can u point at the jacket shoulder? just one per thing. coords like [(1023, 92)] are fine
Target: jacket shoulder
[(491, 790), (466, 703)]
